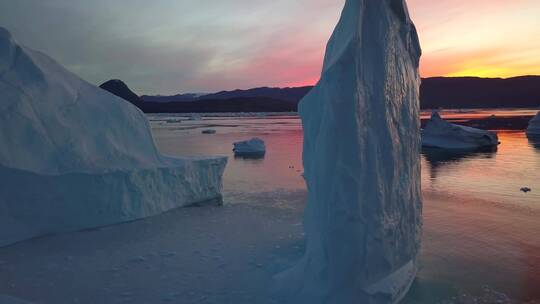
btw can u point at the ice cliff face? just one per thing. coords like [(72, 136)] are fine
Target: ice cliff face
[(361, 156), (54, 122), (73, 156), (534, 125), (439, 133)]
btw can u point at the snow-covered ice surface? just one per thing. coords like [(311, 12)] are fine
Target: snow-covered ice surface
[(362, 167), (73, 156), (208, 254), (534, 126), (254, 146), (439, 133)]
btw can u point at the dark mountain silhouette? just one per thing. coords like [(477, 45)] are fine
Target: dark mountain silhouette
[(172, 98), (474, 92), (120, 89), (287, 94), (437, 92)]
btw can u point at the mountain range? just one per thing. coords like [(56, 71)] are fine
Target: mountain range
[(436, 92)]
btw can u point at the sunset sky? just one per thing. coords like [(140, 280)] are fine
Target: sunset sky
[(173, 46)]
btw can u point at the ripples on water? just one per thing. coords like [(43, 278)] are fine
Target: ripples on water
[(480, 229)]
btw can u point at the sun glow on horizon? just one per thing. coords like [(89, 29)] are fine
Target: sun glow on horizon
[(209, 46), (482, 38)]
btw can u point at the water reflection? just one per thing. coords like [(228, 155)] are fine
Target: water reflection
[(255, 157), (437, 158), (534, 141), (479, 228)]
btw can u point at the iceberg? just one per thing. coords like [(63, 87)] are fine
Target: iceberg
[(439, 133), (361, 155), (73, 156), (252, 147), (534, 126)]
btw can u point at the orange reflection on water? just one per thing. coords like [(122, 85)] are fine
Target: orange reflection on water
[(465, 114)]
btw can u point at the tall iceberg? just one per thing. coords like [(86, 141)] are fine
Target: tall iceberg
[(73, 156), (361, 156), (534, 126)]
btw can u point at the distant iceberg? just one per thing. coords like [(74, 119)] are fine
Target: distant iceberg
[(534, 126), (74, 156), (439, 133), (196, 117), (363, 219), (252, 147)]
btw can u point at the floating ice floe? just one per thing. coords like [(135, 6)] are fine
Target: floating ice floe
[(195, 117), (252, 147), (361, 157), (73, 156), (439, 133), (173, 120), (534, 126)]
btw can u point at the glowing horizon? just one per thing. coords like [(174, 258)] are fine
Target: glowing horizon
[(483, 38), (204, 46)]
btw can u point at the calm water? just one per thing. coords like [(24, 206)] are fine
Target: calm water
[(480, 229)]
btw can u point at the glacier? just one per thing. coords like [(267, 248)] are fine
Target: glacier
[(363, 219), (439, 133), (73, 156), (534, 126)]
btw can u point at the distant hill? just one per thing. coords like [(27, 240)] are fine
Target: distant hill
[(286, 94), (437, 92), (172, 98), (120, 89), (474, 92)]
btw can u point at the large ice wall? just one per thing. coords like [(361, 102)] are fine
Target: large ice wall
[(74, 156), (361, 156)]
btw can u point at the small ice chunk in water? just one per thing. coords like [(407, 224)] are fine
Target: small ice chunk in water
[(195, 117), (254, 146)]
